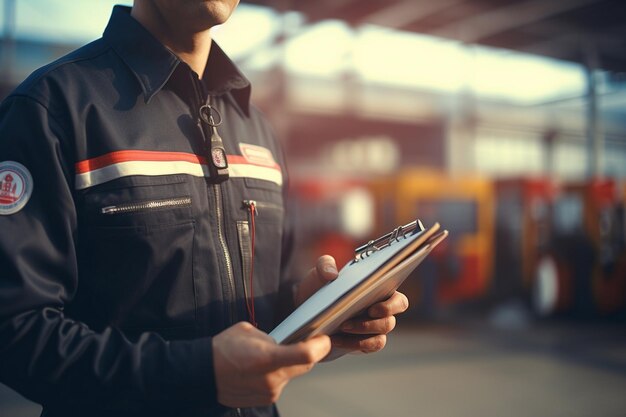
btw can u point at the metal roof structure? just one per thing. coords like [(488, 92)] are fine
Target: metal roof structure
[(590, 32)]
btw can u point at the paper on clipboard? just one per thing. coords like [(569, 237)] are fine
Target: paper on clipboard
[(360, 284)]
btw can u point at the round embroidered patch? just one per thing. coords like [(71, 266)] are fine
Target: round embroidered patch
[(16, 186)]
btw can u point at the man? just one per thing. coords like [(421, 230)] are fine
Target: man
[(142, 221)]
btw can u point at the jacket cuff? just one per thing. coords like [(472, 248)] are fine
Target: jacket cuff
[(190, 376)]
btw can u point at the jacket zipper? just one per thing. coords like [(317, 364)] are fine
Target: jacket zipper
[(148, 205), (263, 205), (218, 212), (198, 88), (222, 240)]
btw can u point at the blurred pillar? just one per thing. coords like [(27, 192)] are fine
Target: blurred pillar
[(461, 128), (595, 134), (460, 136), (549, 141)]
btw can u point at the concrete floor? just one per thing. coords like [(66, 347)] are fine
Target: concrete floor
[(554, 370), (471, 369)]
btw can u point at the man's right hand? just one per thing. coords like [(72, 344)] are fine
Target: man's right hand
[(252, 370)]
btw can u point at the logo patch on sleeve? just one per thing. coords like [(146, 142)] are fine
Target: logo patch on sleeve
[(16, 186)]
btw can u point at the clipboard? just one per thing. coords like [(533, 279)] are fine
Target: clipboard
[(377, 270)]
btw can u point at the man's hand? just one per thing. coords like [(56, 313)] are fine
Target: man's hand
[(252, 370), (367, 333)]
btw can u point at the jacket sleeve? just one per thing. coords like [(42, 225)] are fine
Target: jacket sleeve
[(45, 355)]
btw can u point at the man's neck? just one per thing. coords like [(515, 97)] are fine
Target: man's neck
[(192, 47)]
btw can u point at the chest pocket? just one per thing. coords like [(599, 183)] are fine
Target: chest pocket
[(260, 250), (136, 239)]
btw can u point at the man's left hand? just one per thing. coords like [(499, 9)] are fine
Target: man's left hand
[(366, 333)]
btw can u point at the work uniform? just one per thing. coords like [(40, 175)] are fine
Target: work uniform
[(121, 252)]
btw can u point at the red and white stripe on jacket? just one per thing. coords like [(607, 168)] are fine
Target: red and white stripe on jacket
[(110, 166)]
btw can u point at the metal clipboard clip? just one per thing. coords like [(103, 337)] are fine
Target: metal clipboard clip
[(375, 245)]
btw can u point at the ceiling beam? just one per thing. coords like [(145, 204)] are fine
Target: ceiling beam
[(476, 28), (574, 46), (401, 14), (563, 37), (334, 4), (559, 28)]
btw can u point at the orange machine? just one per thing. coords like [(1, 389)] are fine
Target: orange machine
[(461, 267), (585, 270), (604, 227)]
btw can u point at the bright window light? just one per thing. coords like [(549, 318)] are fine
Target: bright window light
[(524, 78), (407, 60), (323, 50), (403, 59)]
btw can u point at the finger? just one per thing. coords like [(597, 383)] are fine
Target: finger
[(325, 270), (376, 326), (302, 353), (365, 344), (396, 304)]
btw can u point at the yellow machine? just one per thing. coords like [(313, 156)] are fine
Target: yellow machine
[(459, 269)]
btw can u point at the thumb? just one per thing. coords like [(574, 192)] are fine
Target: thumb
[(325, 271)]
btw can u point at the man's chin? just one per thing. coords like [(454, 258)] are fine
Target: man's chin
[(219, 11)]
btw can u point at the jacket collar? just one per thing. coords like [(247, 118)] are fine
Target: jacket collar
[(153, 64)]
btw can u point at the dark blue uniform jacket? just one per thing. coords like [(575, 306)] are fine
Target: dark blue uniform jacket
[(128, 256)]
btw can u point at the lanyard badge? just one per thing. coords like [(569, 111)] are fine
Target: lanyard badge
[(217, 162)]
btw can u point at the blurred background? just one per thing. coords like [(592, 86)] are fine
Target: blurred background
[(504, 120)]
